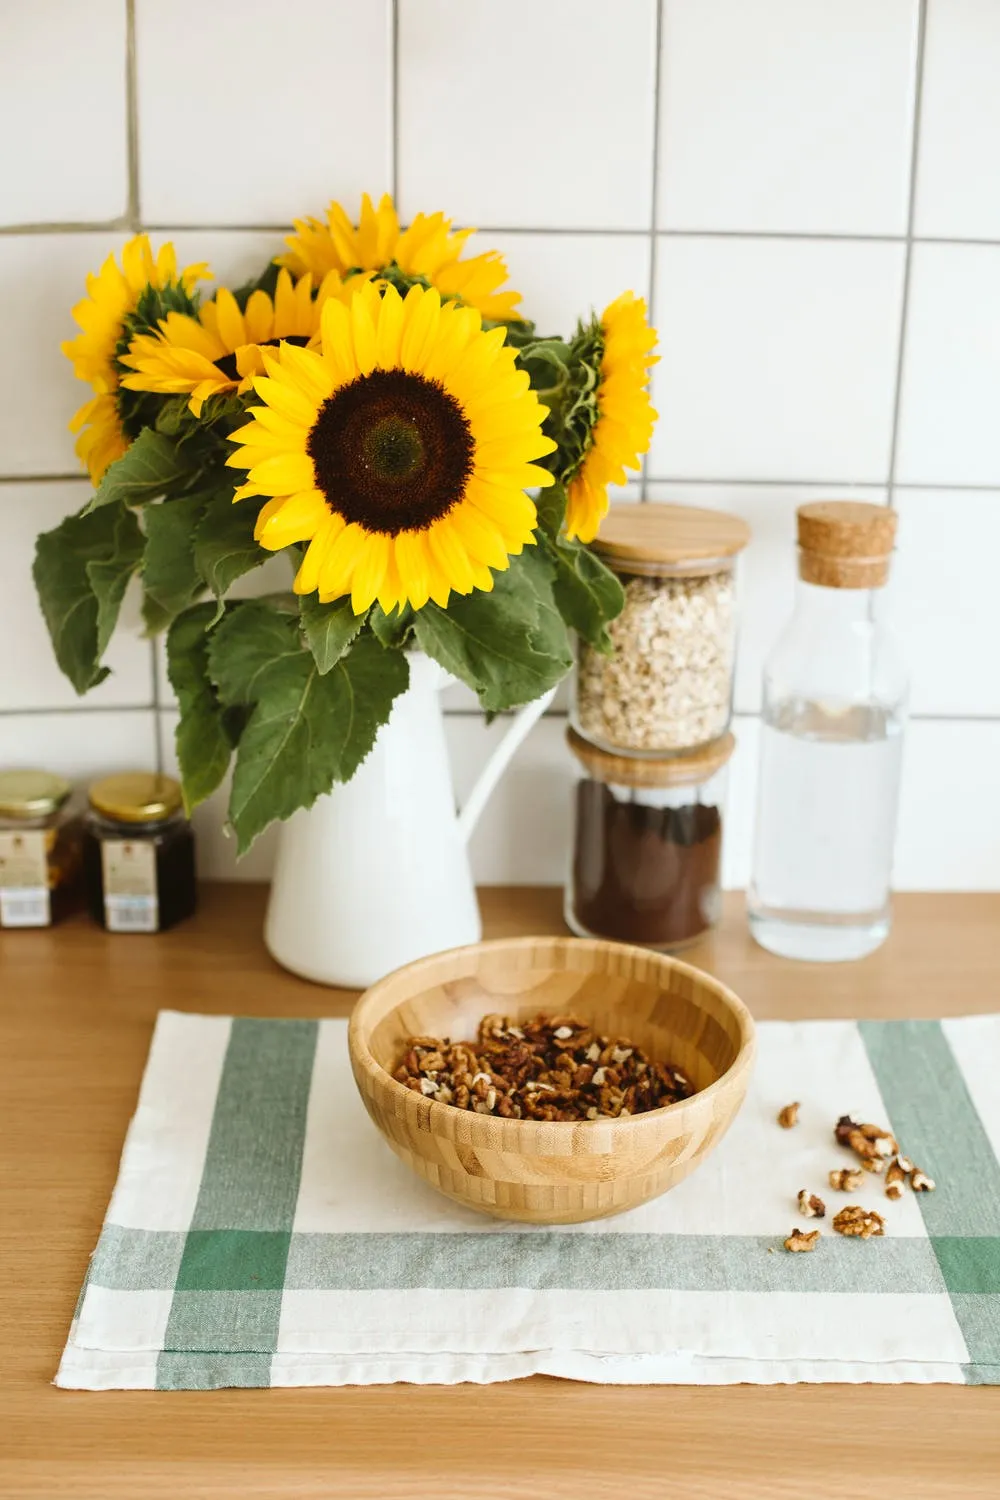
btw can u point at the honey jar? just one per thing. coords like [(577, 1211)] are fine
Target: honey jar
[(138, 853), (39, 849)]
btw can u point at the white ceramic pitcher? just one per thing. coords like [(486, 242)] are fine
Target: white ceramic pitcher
[(377, 872)]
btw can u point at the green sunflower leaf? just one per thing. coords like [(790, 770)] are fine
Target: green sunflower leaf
[(550, 504), (511, 645), (153, 466), (203, 744), (81, 571), (307, 729), (587, 593), (224, 546), (169, 573), (392, 630), (329, 630)]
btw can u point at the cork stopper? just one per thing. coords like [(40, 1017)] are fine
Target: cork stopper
[(845, 544)]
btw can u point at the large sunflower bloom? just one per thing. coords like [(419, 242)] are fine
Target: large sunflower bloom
[(399, 450), (428, 248), (220, 349), (112, 294), (625, 416)]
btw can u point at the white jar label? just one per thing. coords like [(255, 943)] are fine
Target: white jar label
[(24, 880), (131, 901)]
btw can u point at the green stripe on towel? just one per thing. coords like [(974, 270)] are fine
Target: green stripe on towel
[(936, 1123)]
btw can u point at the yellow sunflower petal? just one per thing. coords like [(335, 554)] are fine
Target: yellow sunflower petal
[(298, 520)]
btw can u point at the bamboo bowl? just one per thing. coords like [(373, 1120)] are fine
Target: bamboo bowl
[(541, 1172)]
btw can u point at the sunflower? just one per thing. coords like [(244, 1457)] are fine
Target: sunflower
[(429, 248), (112, 294), (399, 450), (625, 417), (220, 349)]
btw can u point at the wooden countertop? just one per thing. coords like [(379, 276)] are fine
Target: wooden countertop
[(76, 1012)]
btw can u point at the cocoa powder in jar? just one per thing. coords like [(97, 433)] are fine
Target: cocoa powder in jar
[(644, 873)]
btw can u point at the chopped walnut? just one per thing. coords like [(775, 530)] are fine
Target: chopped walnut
[(789, 1116), (873, 1163), (869, 1142), (895, 1179), (920, 1182), (811, 1207), (542, 1069), (862, 1222), (801, 1240), (846, 1179)]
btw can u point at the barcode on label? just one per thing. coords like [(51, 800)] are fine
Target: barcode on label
[(26, 906), (131, 913)]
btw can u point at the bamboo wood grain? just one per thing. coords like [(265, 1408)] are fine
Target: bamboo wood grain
[(76, 1013), (555, 1173)]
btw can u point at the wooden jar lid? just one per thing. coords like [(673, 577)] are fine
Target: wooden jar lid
[(845, 544), (640, 771), (654, 537)]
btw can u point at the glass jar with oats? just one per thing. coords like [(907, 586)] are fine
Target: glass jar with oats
[(667, 686)]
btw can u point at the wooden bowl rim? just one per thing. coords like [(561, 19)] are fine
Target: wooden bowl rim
[(743, 1060)]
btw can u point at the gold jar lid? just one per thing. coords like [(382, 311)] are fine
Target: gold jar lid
[(655, 538), (31, 794), (631, 770), (845, 544), (136, 797)]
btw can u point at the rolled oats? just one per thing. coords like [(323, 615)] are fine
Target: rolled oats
[(668, 685)]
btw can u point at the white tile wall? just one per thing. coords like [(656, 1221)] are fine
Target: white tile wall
[(778, 358), (750, 164), (61, 65), (515, 112), (775, 119), (949, 432), (960, 121), (250, 115)]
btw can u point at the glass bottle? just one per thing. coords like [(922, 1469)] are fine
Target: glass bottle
[(138, 853), (834, 708)]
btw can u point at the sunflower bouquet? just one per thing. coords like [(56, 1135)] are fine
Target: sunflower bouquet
[(375, 408)]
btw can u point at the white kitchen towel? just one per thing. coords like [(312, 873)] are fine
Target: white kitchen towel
[(262, 1233)]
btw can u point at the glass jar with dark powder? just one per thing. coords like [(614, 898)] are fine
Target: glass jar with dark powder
[(647, 844)]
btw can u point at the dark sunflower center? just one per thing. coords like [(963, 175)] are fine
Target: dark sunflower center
[(227, 364), (392, 451)]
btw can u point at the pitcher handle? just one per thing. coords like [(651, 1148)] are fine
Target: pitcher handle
[(520, 726)]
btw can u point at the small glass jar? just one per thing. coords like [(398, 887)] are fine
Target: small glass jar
[(39, 849), (668, 686), (138, 854), (647, 845)]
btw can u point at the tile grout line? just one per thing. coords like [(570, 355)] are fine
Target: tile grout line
[(712, 481), (394, 96), (135, 224), (908, 251), (654, 197), (591, 231)]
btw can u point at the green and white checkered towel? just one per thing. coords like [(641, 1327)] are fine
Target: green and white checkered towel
[(262, 1233)]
